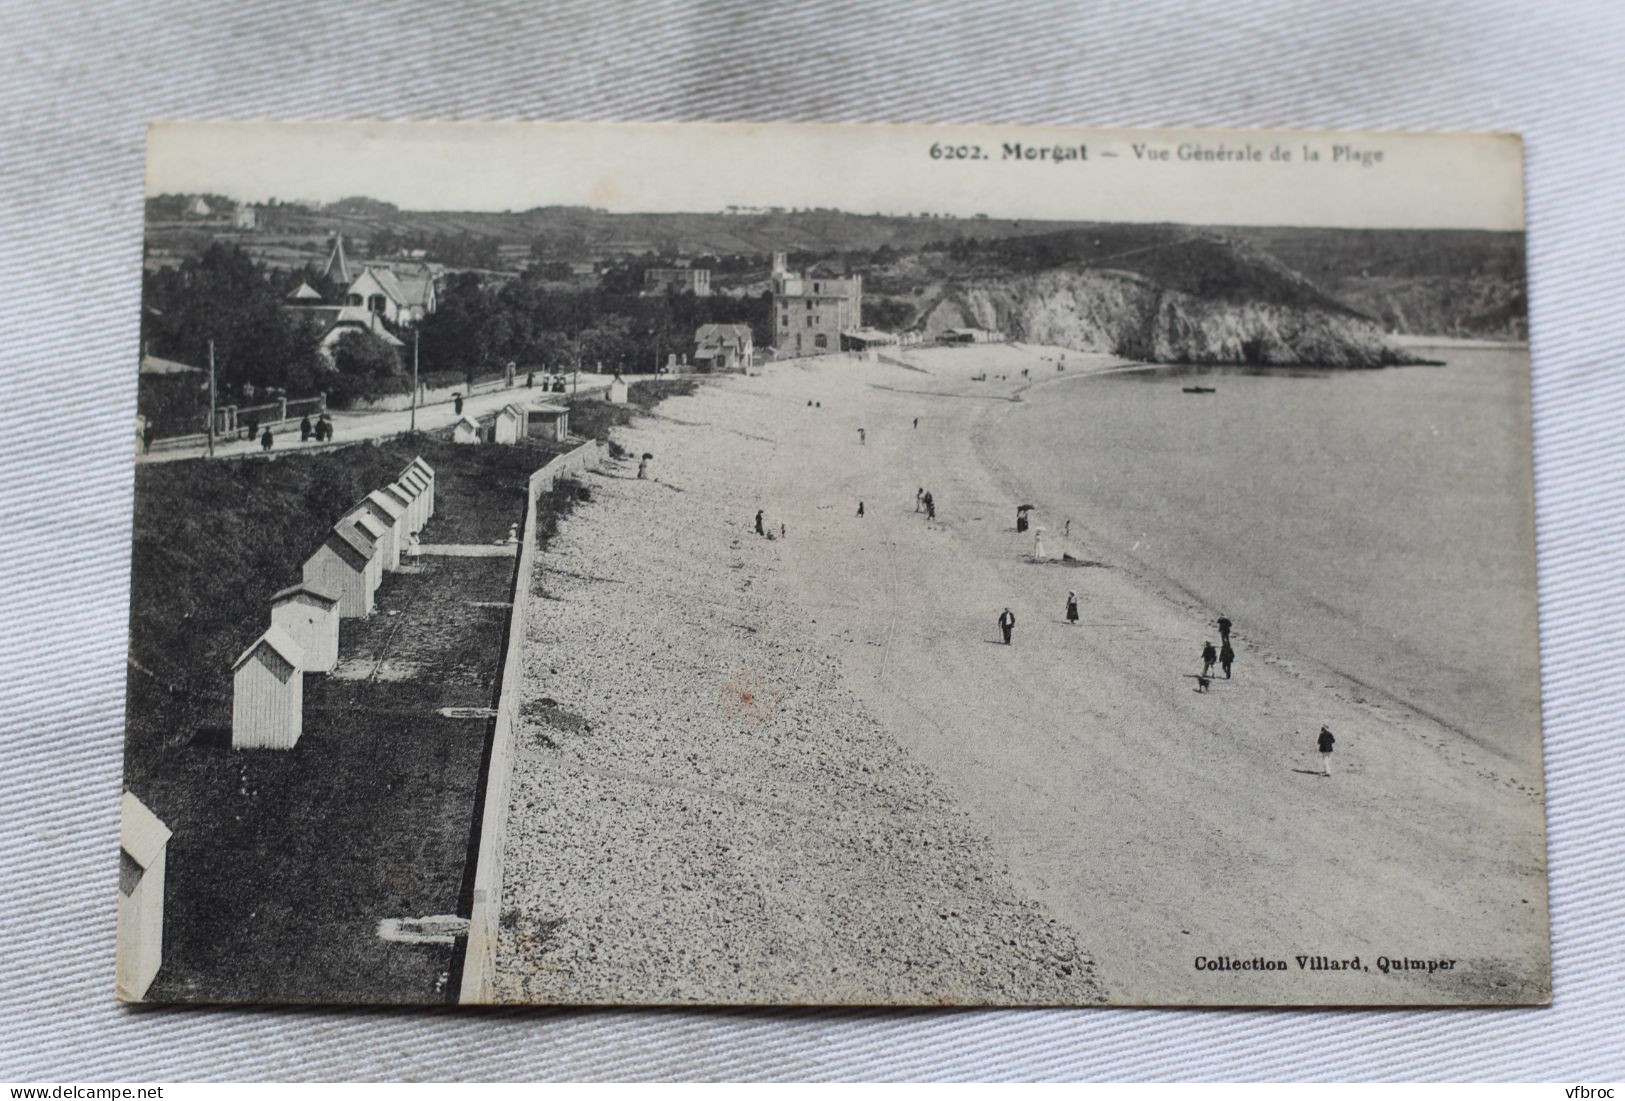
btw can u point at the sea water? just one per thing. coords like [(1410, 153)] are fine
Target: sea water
[(1378, 523)]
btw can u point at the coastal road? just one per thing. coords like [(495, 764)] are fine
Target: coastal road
[(356, 427)]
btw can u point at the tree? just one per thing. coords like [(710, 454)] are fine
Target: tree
[(361, 355)]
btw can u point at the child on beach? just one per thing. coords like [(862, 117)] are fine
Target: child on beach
[(1072, 608), (1325, 742), (1209, 656)]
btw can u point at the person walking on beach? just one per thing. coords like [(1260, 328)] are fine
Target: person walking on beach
[(1072, 608), (1226, 656), (1007, 623), (860, 508), (930, 507), (1224, 629), (759, 529), (1325, 743), (643, 468), (782, 532), (916, 422), (919, 499), (863, 437), (1209, 656)]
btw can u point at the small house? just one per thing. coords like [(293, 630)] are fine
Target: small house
[(309, 615), (466, 430), (427, 471), (617, 390), (377, 536), (403, 502), (342, 566), (389, 511), (143, 846), (510, 425), (410, 487), (550, 422), (723, 347), (268, 693)]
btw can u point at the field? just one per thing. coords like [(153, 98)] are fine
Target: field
[(282, 864)]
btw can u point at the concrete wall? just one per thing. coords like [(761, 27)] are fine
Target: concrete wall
[(479, 959)]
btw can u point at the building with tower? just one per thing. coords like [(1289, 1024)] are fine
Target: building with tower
[(810, 312)]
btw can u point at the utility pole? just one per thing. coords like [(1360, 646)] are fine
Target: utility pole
[(211, 399), (414, 380)]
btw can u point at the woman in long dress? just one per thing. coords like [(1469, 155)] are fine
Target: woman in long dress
[(1072, 608)]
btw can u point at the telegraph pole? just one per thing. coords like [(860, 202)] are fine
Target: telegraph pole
[(211, 399), (414, 380)]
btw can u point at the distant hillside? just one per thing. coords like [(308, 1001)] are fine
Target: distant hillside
[(1440, 282), (1437, 282)]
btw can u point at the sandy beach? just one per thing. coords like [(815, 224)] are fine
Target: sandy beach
[(805, 769)]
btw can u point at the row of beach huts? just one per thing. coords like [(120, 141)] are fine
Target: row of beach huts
[(338, 581)]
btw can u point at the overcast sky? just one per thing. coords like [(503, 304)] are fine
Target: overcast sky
[(1422, 180)]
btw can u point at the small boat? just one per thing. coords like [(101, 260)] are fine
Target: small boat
[(1199, 390)]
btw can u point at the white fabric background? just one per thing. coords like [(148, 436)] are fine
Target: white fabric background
[(78, 82)]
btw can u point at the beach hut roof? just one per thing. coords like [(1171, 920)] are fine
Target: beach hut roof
[(353, 539), (361, 517), (418, 463), (468, 420), (279, 641), (306, 588), (142, 833), (389, 504), (395, 493)]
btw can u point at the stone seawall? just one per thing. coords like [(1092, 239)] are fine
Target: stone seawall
[(480, 952)]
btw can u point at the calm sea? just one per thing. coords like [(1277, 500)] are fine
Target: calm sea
[(1377, 522)]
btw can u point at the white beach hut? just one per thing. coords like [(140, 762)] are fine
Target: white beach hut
[(410, 488), (466, 430), (401, 501), (376, 535), (342, 566), (391, 514), (617, 390), (143, 846), (268, 693), (427, 471), (550, 422), (309, 615), (510, 425)]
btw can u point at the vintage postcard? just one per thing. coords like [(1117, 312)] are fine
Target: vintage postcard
[(841, 565)]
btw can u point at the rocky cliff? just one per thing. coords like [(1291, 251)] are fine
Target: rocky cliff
[(1200, 301)]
